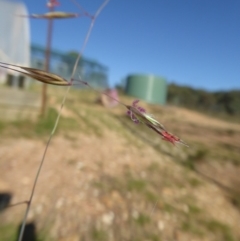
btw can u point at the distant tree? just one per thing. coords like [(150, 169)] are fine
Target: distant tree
[(223, 102), (205, 100), (73, 54)]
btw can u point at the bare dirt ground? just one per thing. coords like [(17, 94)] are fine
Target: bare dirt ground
[(109, 179)]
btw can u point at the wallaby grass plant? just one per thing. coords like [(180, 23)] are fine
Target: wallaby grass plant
[(132, 185)]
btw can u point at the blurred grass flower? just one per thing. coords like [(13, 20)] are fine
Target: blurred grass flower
[(37, 74), (54, 15), (53, 3), (139, 115)]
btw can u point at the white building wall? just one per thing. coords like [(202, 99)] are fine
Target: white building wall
[(14, 35)]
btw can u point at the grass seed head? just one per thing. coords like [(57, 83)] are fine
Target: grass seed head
[(37, 74), (55, 15), (139, 115)]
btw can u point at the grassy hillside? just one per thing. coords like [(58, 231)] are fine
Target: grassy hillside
[(106, 178)]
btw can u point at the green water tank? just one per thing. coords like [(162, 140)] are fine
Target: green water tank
[(152, 89)]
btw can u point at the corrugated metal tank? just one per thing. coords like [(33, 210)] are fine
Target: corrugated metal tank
[(152, 89)]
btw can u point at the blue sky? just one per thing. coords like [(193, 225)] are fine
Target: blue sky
[(189, 42)]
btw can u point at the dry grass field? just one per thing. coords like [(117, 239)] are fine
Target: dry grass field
[(106, 178)]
